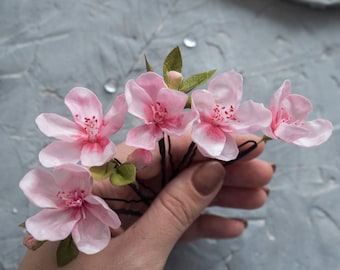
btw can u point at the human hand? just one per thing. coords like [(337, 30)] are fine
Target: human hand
[(175, 214)]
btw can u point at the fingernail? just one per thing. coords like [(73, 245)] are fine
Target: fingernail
[(208, 178), (273, 166), (267, 190), (245, 222)]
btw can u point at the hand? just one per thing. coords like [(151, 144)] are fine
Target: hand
[(175, 214)]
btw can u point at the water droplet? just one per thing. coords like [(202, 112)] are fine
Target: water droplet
[(15, 210), (189, 42), (110, 86)]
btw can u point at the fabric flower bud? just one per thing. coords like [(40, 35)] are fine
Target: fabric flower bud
[(175, 79), (141, 158)]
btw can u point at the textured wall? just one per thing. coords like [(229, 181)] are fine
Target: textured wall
[(48, 47)]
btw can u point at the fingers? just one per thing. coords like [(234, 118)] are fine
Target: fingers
[(216, 227), (178, 206), (253, 173), (242, 198)]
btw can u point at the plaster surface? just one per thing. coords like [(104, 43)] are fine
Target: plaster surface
[(48, 47)]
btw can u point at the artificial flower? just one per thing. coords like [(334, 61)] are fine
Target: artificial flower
[(161, 109), (85, 139), (70, 208), (221, 115), (289, 119)]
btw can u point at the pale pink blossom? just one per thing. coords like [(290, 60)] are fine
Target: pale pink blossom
[(70, 208), (289, 119), (85, 139), (160, 108), (140, 157), (221, 115)]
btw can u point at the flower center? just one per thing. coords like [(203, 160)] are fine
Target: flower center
[(221, 114), (72, 198), (90, 125), (158, 113)]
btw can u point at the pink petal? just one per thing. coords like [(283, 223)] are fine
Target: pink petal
[(251, 116), (230, 150), (99, 208), (40, 188), (203, 102), (82, 102), (290, 132), (54, 125), (319, 132), (209, 138), (279, 96), (144, 136), (69, 177), (115, 117), (97, 153), (227, 88), (90, 235), (297, 106), (138, 101), (151, 82), (59, 152), (174, 101), (140, 158), (178, 126), (52, 224)]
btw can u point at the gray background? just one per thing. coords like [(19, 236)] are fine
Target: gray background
[(48, 47)]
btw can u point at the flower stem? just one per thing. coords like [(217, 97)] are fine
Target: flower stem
[(243, 153), (186, 158), (161, 145)]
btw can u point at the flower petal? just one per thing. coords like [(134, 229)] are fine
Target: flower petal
[(59, 152), (203, 102), (90, 235), (251, 116), (54, 125), (40, 188), (138, 101), (99, 208), (319, 132), (209, 138), (297, 106), (230, 150), (52, 224), (69, 177), (227, 88), (97, 153), (279, 95), (114, 118), (144, 136), (290, 132), (174, 101), (151, 82), (83, 103)]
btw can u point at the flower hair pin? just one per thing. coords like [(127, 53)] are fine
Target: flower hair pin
[(79, 215)]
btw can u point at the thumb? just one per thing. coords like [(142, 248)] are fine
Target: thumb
[(177, 206)]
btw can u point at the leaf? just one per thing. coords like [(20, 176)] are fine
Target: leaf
[(196, 79), (102, 172), (148, 66), (124, 175), (173, 61), (67, 251)]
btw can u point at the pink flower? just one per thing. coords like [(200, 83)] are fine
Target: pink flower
[(70, 208), (221, 114), (161, 109), (289, 119), (87, 138)]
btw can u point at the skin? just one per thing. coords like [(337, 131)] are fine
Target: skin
[(175, 214)]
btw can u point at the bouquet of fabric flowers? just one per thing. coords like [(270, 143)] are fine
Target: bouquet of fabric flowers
[(168, 106)]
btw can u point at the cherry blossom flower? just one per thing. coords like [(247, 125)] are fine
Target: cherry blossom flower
[(161, 109), (221, 114), (87, 137), (289, 119), (70, 208)]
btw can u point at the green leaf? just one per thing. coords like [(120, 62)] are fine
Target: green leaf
[(148, 66), (102, 172), (67, 251), (173, 61), (124, 175), (188, 104), (196, 79)]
